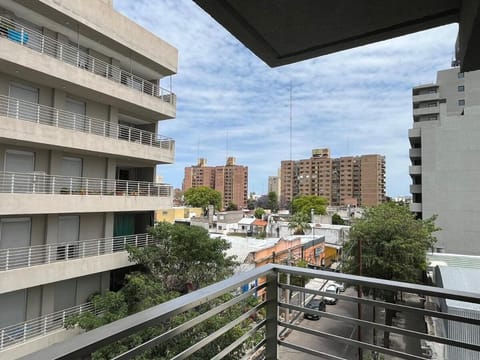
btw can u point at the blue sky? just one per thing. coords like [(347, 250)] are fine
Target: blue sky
[(231, 103)]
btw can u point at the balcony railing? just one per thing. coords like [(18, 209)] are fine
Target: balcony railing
[(272, 341), (15, 258), (40, 183), (41, 326), (45, 115), (72, 55)]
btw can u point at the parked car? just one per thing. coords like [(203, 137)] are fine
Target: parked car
[(315, 304), (340, 286), (249, 232), (332, 289)]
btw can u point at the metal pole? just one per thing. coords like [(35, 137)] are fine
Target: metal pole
[(271, 316), (359, 295)]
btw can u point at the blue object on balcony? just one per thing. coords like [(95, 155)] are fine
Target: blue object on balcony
[(18, 36)]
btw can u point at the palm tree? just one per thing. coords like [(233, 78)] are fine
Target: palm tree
[(299, 222)]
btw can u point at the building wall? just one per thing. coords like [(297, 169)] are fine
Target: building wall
[(447, 185)]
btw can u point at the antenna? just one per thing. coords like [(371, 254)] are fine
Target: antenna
[(226, 145), (290, 120)]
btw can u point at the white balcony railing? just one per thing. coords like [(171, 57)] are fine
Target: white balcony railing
[(74, 56), (41, 326), (40, 183), (45, 115), (15, 258)]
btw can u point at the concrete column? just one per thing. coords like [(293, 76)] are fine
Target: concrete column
[(48, 298)]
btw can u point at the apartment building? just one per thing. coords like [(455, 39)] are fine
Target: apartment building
[(444, 153), (231, 180), (349, 180), (81, 91)]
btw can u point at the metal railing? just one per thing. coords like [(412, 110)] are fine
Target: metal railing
[(72, 55), (45, 115), (268, 287), (41, 326), (41, 183), (14, 258)]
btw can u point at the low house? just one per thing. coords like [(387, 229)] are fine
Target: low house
[(245, 225), (227, 221), (259, 226)]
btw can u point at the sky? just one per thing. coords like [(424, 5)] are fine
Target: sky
[(230, 103)]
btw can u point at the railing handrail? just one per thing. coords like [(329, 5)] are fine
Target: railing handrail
[(46, 115), (84, 343), (21, 257), (23, 331), (36, 182), (24, 38)]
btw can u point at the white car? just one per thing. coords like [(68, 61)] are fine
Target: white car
[(340, 286), (332, 289)]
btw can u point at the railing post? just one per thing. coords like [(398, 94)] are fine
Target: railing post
[(56, 117), (83, 249), (61, 52), (29, 261), (43, 44), (138, 189), (98, 249), (149, 189), (24, 332), (124, 242), (53, 186), (48, 255), (93, 64), (74, 121), (45, 325), (7, 260), (136, 241), (18, 109), (271, 327), (63, 318), (2, 335), (129, 134), (38, 114), (12, 190), (86, 186), (22, 32)]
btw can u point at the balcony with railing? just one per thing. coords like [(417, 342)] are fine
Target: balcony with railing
[(26, 267), (47, 125), (419, 328), (40, 329), (39, 193), (18, 34)]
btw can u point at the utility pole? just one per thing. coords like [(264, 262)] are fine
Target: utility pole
[(359, 295)]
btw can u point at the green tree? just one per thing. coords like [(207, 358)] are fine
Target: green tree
[(305, 203), (337, 220), (299, 222), (272, 201), (250, 204), (203, 196), (231, 207), (179, 256), (259, 212), (394, 246)]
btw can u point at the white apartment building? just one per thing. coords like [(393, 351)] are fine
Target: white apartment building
[(82, 89), (444, 154)]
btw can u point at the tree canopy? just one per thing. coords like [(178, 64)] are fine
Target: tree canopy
[(394, 246), (337, 220), (305, 203), (299, 222), (272, 201), (180, 256), (231, 207), (203, 196), (259, 212)]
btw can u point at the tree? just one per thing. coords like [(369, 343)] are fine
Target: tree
[(299, 222), (178, 257), (203, 196), (305, 203), (394, 246), (259, 212), (272, 201), (250, 204), (231, 207), (337, 220)]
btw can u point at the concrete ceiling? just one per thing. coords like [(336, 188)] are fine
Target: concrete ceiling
[(285, 31)]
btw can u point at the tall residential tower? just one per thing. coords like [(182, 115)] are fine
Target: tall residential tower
[(80, 99), (444, 155)]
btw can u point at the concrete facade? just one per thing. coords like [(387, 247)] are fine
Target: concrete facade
[(348, 180), (81, 94), (444, 156)]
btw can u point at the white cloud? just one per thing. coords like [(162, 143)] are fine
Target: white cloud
[(354, 102)]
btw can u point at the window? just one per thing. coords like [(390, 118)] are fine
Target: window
[(461, 102), (461, 75), (461, 88)]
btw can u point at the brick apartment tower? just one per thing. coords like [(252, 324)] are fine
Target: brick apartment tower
[(230, 180), (355, 180)]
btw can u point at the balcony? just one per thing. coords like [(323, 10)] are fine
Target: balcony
[(16, 340), (26, 267), (428, 110), (415, 188), (415, 170), (282, 328), (416, 207), (415, 153), (434, 95), (33, 123), (93, 75), (39, 193)]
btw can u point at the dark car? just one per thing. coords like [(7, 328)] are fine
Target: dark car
[(315, 304), (249, 232)]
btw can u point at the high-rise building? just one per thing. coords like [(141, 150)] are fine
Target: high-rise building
[(354, 180), (231, 180), (274, 183), (444, 157), (80, 100)]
